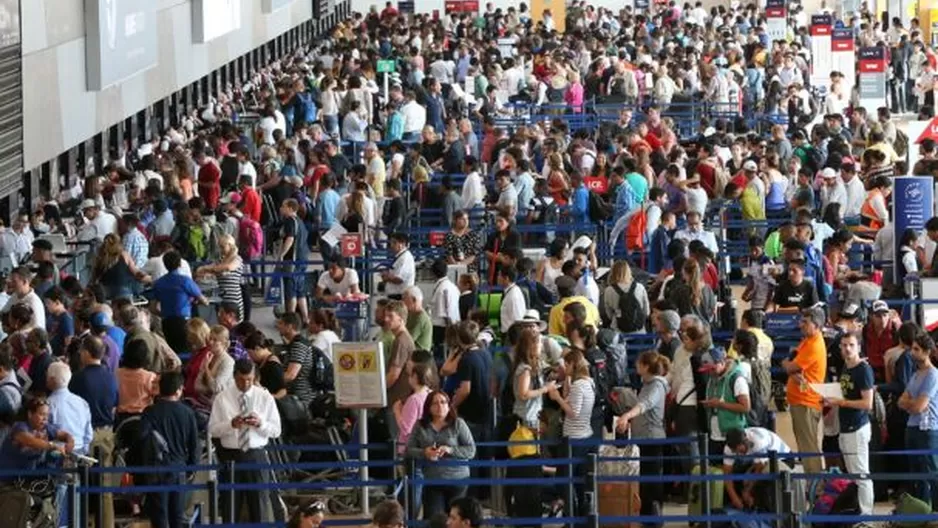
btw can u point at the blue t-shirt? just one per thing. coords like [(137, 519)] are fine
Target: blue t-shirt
[(118, 335), (60, 328), (13, 457), (175, 292), (853, 381), (924, 384), (96, 385)]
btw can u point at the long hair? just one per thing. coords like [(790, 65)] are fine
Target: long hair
[(526, 350), (108, 254), (427, 417), (657, 364), (577, 360), (692, 277)]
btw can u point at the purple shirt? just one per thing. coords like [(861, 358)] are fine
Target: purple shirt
[(112, 354)]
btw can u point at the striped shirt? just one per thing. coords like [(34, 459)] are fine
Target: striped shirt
[(300, 352), (229, 286), (581, 399)]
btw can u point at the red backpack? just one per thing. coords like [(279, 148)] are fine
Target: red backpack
[(250, 238), (636, 230)]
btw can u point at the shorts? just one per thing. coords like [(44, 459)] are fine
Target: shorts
[(294, 286)]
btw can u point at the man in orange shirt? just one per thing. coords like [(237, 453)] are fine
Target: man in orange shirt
[(808, 366)]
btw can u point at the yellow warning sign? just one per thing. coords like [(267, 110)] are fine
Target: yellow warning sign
[(347, 362), (368, 362)]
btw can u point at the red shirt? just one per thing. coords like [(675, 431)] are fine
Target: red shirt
[(191, 372), (251, 204), (877, 345), (653, 141), (210, 184), (711, 277)]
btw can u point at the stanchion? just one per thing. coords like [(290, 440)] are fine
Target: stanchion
[(592, 491), (363, 440), (571, 489), (703, 441), (231, 515), (83, 504), (212, 501), (99, 481), (73, 505), (405, 498), (776, 483), (411, 490), (786, 509)]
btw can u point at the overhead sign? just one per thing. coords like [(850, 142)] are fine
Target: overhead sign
[(269, 6), (120, 40), (385, 66), (912, 205), (821, 59), (872, 65), (352, 245), (461, 6), (843, 58), (359, 375), (776, 14), (214, 18), (930, 131)]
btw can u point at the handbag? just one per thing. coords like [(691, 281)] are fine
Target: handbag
[(524, 436), (670, 412)]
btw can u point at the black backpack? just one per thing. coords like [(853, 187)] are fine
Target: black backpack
[(602, 379), (153, 451), (599, 209), (758, 413), (614, 347), (631, 317), (322, 375)]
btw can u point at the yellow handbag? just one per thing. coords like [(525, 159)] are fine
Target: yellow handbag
[(522, 433)]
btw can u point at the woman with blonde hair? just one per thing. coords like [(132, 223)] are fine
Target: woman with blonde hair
[(198, 337), (115, 270), (229, 272), (217, 370), (614, 307)]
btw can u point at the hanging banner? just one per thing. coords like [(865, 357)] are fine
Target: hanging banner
[(872, 78), (822, 62), (843, 56), (912, 205), (461, 6), (776, 19)]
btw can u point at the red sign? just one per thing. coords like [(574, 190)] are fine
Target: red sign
[(930, 132), (821, 25), (436, 238), (872, 60), (461, 6), (597, 184), (352, 245)]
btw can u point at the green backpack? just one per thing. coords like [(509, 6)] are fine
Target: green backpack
[(195, 238)]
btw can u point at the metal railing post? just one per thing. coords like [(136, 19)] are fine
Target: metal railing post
[(571, 467), (73, 505), (212, 501), (703, 441), (84, 483), (776, 484), (99, 498), (410, 489), (231, 511), (787, 497), (405, 497), (592, 490)]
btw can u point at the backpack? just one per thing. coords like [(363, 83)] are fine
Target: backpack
[(214, 235), (636, 232), (602, 380), (631, 317), (195, 242), (758, 413), (250, 238), (322, 375), (8, 410), (613, 344), (901, 144), (153, 451), (598, 209), (760, 389)]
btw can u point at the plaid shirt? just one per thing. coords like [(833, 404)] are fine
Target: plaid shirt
[(236, 349), (137, 246)]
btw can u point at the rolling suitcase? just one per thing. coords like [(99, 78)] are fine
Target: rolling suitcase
[(15, 508), (694, 504), (619, 499)]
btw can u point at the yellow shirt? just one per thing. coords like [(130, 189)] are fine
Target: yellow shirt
[(752, 204), (555, 324), (765, 349)]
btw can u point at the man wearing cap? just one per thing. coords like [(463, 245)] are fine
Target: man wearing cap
[(808, 366), (833, 190), (727, 395), (879, 335), (99, 223)]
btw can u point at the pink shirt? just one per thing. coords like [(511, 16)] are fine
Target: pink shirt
[(574, 97), (411, 412), (136, 390)]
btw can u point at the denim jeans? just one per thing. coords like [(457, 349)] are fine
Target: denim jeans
[(915, 438), (436, 499)]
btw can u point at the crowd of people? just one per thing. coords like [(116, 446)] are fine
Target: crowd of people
[(124, 356)]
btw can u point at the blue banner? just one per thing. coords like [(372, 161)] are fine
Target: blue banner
[(785, 324), (913, 199)]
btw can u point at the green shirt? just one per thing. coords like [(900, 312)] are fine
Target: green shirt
[(421, 329), (773, 246)]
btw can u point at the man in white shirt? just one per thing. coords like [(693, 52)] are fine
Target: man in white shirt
[(403, 269), (23, 293), (695, 231), (17, 241), (833, 190), (67, 410), (415, 116), (375, 170), (244, 418), (513, 303), (751, 441), (338, 280), (245, 166), (100, 223), (473, 190), (508, 196), (444, 302), (854, 189)]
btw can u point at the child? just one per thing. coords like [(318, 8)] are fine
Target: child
[(760, 282)]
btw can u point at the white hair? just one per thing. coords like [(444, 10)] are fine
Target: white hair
[(58, 376), (414, 292)]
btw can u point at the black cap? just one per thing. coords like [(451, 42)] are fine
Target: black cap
[(42, 244)]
